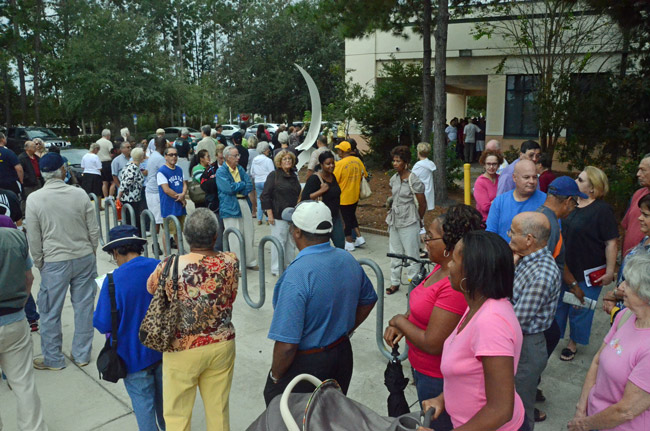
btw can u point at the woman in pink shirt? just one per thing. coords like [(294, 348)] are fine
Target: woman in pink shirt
[(485, 187), (616, 393), (435, 308), (480, 357)]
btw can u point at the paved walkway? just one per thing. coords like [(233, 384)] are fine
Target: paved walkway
[(76, 400)]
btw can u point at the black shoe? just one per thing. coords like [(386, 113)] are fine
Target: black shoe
[(539, 397)]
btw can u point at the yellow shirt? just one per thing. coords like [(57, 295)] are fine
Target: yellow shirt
[(348, 172), (235, 176)]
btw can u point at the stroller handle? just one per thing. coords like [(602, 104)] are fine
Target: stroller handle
[(289, 422)]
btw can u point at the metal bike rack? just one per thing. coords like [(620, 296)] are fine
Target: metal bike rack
[(131, 212), (109, 207), (146, 214), (95, 199), (242, 263), (380, 311), (260, 262), (179, 231)]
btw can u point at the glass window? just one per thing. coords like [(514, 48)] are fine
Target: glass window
[(520, 113)]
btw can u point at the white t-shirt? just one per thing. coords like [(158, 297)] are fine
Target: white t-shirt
[(105, 147), (91, 164), (470, 131), (424, 171)]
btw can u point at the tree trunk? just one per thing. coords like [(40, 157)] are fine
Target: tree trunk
[(21, 66), (427, 88), (7, 97), (37, 63), (440, 103)]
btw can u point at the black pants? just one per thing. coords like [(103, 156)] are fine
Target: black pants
[(335, 363), (349, 216)]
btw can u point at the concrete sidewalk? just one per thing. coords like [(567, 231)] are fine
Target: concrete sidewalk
[(74, 399)]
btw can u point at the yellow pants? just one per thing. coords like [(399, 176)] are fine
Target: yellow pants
[(210, 368)]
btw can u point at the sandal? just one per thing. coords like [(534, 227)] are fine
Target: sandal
[(540, 416), (391, 290), (567, 355)]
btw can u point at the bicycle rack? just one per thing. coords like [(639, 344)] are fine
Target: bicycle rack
[(110, 204), (242, 264), (154, 235), (260, 262), (131, 213), (379, 332), (179, 232), (95, 199)]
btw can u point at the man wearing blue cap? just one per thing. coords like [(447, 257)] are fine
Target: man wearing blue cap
[(63, 235)]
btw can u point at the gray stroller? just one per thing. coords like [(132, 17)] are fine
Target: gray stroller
[(327, 409)]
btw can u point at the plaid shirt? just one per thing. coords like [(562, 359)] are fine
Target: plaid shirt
[(536, 291)]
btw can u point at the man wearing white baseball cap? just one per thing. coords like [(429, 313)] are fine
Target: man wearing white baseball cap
[(318, 301)]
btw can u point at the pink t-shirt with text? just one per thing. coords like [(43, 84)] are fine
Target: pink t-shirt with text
[(421, 302), (493, 331), (626, 357)]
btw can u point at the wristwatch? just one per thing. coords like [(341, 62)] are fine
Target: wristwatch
[(273, 379), (574, 284)]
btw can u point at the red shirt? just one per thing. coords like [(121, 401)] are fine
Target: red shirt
[(545, 179), (421, 301), (37, 171), (630, 223)]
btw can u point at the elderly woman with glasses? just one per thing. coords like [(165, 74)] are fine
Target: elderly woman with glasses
[(616, 392), (203, 353), (435, 307), (589, 233), (485, 187), (281, 190)]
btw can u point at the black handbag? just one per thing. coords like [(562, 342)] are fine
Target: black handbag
[(109, 364)]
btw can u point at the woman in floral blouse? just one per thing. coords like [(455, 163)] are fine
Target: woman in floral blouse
[(204, 350), (131, 185)]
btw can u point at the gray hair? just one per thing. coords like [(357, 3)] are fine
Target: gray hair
[(637, 275), (94, 146), (534, 223), (201, 228), (125, 143), (29, 144), (262, 147), (213, 133), (2, 136), (252, 142), (125, 132), (206, 130), (137, 154), (160, 132), (424, 149), (184, 131), (228, 150), (106, 133), (59, 174)]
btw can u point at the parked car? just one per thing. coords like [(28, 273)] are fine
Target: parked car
[(17, 136), (271, 127), (74, 156), (171, 133), (229, 129)]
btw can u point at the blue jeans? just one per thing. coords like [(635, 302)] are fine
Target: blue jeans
[(579, 319), (338, 237), (259, 188), (30, 309), (430, 387), (145, 390)]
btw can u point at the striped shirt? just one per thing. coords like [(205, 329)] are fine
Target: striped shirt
[(536, 291)]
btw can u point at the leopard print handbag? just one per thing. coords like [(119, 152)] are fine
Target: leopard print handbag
[(160, 325)]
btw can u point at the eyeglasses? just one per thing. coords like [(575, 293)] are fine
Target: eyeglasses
[(427, 238), (172, 154), (235, 155), (580, 180), (510, 234), (491, 164), (574, 200)]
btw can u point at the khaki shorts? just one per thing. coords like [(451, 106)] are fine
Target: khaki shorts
[(172, 226)]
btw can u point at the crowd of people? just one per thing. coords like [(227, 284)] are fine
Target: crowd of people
[(508, 275)]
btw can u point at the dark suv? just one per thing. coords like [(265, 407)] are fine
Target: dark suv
[(17, 136)]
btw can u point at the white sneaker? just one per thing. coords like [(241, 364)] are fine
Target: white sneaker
[(349, 246), (359, 241)]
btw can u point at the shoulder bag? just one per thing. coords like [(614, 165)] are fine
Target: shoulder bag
[(364, 191), (109, 364), (159, 326)]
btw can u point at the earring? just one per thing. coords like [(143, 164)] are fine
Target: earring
[(462, 289), (445, 253)]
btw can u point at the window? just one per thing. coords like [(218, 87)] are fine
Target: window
[(520, 115)]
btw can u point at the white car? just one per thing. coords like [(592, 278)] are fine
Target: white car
[(271, 127), (229, 129)]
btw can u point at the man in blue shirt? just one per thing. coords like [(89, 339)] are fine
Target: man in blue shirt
[(11, 171), (529, 150), (525, 197), (318, 301), (172, 189)]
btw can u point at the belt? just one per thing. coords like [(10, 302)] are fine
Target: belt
[(322, 349), (243, 197)]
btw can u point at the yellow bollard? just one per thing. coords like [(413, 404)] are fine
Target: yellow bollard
[(468, 198)]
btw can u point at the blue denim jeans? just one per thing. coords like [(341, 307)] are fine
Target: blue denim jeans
[(145, 390), (430, 387), (30, 309), (580, 319), (259, 188)]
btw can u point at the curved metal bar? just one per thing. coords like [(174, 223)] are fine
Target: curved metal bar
[(109, 207), (95, 199), (380, 311), (260, 262), (131, 212), (154, 235), (179, 231), (242, 265)]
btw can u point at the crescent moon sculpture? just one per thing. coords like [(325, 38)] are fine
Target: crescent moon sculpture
[(316, 118)]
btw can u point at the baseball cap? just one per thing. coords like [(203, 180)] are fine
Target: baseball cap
[(50, 162), (344, 146), (310, 216), (565, 186)]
